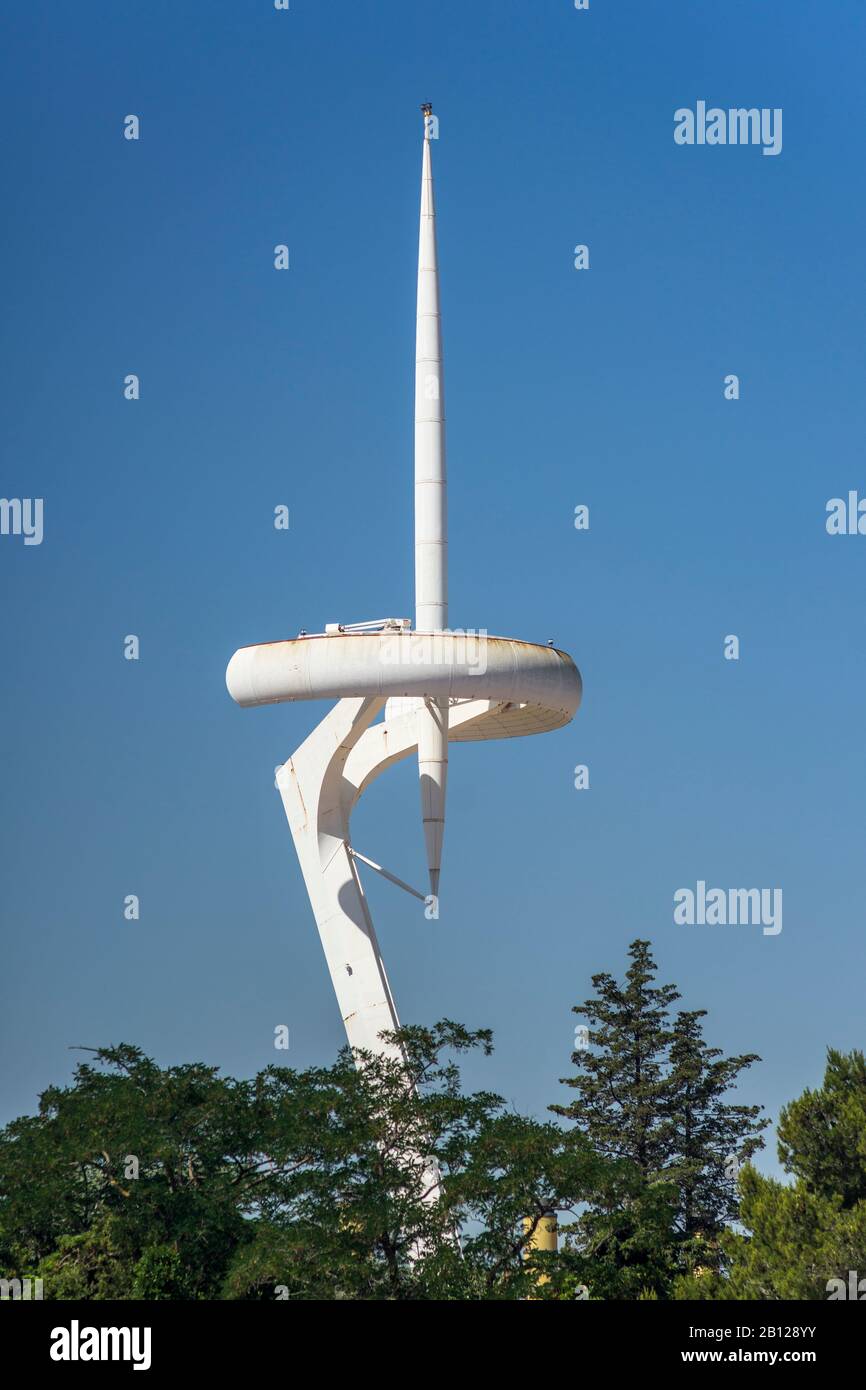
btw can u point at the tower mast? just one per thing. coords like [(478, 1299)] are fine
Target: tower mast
[(431, 525), (431, 528)]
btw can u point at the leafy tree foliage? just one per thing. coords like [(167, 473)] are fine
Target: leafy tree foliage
[(143, 1182), (379, 1178)]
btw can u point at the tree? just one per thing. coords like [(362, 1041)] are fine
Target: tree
[(144, 1182), (621, 1245), (799, 1237), (347, 1211), (650, 1092), (822, 1135), (128, 1161), (707, 1138), (620, 1084)]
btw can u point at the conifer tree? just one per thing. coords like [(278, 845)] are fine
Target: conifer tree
[(620, 1084), (805, 1240), (822, 1135), (651, 1094), (707, 1138)]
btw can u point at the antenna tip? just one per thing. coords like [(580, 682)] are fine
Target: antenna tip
[(426, 109)]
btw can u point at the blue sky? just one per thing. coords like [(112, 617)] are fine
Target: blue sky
[(602, 387)]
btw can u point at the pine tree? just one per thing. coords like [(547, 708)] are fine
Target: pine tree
[(806, 1239), (707, 1138), (650, 1093), (822, 1135), (620, 1084)]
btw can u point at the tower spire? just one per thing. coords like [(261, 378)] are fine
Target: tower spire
[(431, 529)]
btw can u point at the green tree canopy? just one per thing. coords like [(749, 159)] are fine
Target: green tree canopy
[(138, 1181), (801, 1236), (822, 1135)]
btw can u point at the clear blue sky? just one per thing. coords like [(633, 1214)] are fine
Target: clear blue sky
[(602, 387)]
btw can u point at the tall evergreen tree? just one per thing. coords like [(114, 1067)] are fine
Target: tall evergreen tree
[(651, 1092), (707, 1138), (620, 1085)]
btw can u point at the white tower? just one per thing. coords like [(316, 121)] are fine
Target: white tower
[(432, 687)]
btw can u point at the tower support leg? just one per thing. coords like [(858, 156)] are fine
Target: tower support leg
[(318, 802)]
